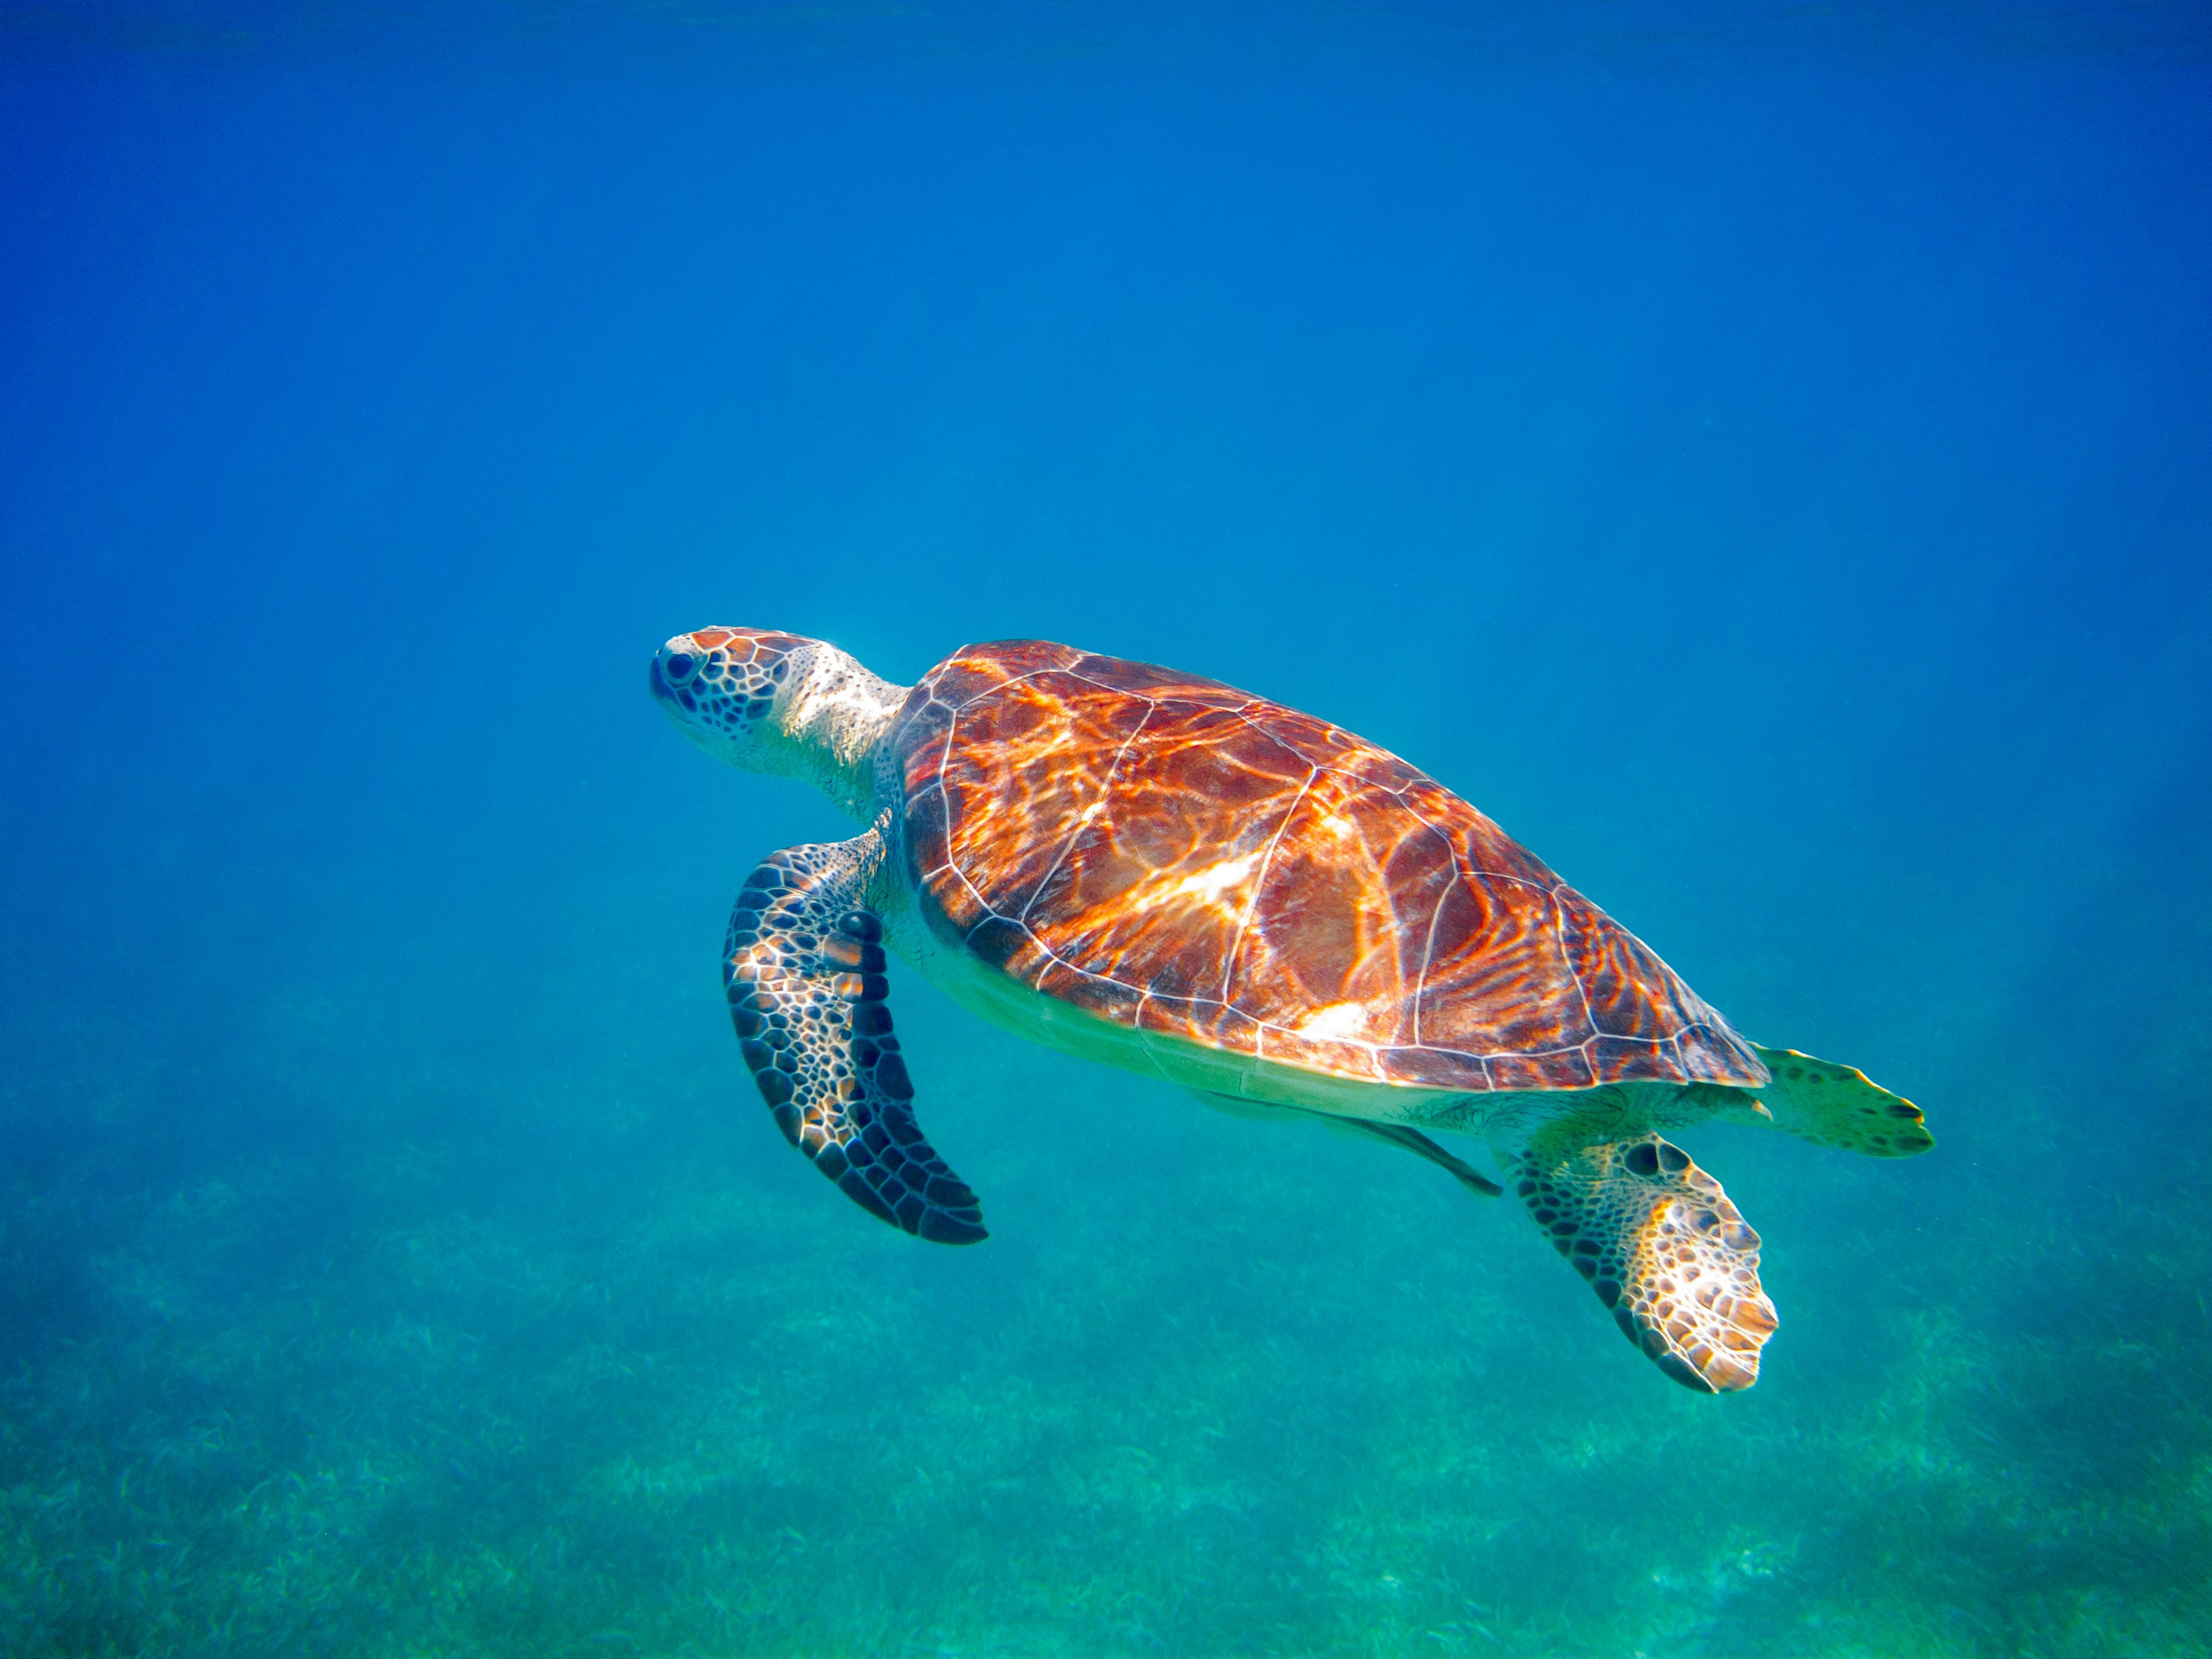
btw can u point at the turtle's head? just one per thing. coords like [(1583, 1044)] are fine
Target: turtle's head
[(722, 685), (778, 702)]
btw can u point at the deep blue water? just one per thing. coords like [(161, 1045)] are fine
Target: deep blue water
[(1763, 459)]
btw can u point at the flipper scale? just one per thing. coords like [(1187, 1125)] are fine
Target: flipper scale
[(803, 970), (1663, 1248)]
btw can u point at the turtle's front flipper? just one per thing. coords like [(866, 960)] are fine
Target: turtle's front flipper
[(804, 967), (1661, 1245), (1833, 1105)]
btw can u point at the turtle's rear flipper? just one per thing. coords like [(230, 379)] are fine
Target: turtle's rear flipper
[(804, 967), (1421, 1146), (1833, 1105), (1662, 1246), (1396, 1133)]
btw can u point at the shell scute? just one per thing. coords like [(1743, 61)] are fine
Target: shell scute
[(1155, 899), (1203, 1020), (1058, 736), (1108, 998), (1329, 748), (1005, 944), (1629, 991), (1421, 874), (1232, 772), (1144, 679), (1708, 1052), (1429, 1068), (1621, 1060), (1341, 923), (1497, 982), (1334, 1055), (929, 850), (1561, 1068), (1178, 856), (1486, 852)]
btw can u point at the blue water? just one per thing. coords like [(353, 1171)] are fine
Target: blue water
[(1761, 457)]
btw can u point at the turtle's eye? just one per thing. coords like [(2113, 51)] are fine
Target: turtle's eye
[(679, 667)]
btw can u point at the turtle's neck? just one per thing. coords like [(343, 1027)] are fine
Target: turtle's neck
[(833, 718)]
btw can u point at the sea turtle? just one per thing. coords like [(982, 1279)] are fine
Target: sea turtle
[(1145, 867)]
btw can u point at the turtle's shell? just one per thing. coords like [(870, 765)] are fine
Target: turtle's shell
[(1175, 855)]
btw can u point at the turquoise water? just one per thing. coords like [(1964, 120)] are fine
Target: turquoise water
[(1762, 457)]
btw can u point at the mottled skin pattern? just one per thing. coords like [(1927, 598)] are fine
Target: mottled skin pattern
[(1163, 873), (804, 972), (1663, 1247)]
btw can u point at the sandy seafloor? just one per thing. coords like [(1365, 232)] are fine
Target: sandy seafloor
[(1761, 457)]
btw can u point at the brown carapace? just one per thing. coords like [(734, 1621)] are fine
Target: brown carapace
[(1177, 856)]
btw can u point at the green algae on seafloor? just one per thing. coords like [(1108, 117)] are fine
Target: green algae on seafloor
[(1282, 1403)]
